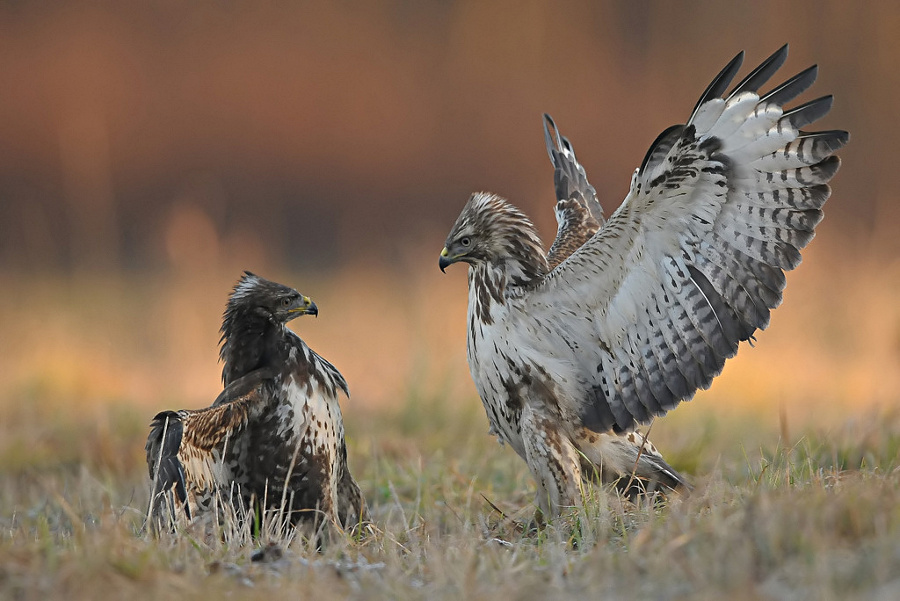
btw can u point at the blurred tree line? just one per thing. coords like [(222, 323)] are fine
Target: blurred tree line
[(142, 135)]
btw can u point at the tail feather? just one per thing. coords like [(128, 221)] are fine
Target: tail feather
[(167, 476), (630, 461)]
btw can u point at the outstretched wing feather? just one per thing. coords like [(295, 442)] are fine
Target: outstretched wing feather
[(763, 73), (186, 450), (578, 213), (693, 261)]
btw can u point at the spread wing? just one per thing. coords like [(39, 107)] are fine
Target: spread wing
[(578, 213), (186, 450), (693, 260)]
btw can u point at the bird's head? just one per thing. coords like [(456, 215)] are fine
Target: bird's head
[(257, 311), (489, 229), (256, 296)]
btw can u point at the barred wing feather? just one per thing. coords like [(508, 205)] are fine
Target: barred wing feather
[(188, 450), (693, 260), (578, 213)]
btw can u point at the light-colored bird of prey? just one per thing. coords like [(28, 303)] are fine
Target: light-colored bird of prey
[(626, 318)]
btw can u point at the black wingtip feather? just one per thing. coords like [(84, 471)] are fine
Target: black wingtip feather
[(809, 112), (759, 76), (792, 88), (835, 139), (816, 196), (661, 145), (166, 471), (548, 139), (825, 170), (721, 82)]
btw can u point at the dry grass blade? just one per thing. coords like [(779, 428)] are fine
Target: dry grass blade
[(806, 511)]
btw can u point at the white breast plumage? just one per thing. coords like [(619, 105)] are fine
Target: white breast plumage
[(493, 377)]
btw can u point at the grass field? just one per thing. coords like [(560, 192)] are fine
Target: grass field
[(794, 453)]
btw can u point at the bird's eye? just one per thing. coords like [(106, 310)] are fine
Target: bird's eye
[(286, 302), (465, 241)]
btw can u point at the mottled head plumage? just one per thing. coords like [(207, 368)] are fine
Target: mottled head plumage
[(253, 295), (491, 231), (256, 307)]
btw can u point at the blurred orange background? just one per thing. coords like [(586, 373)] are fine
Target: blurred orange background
[(151, 151)]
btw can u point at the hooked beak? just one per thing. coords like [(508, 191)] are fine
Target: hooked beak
[(445, 260), (306, 307)]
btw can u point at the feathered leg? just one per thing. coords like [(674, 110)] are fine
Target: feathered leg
[(554, 463), (351, 505)]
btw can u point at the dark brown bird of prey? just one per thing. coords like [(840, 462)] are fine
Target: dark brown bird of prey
[(274, 438), (624, 320)]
